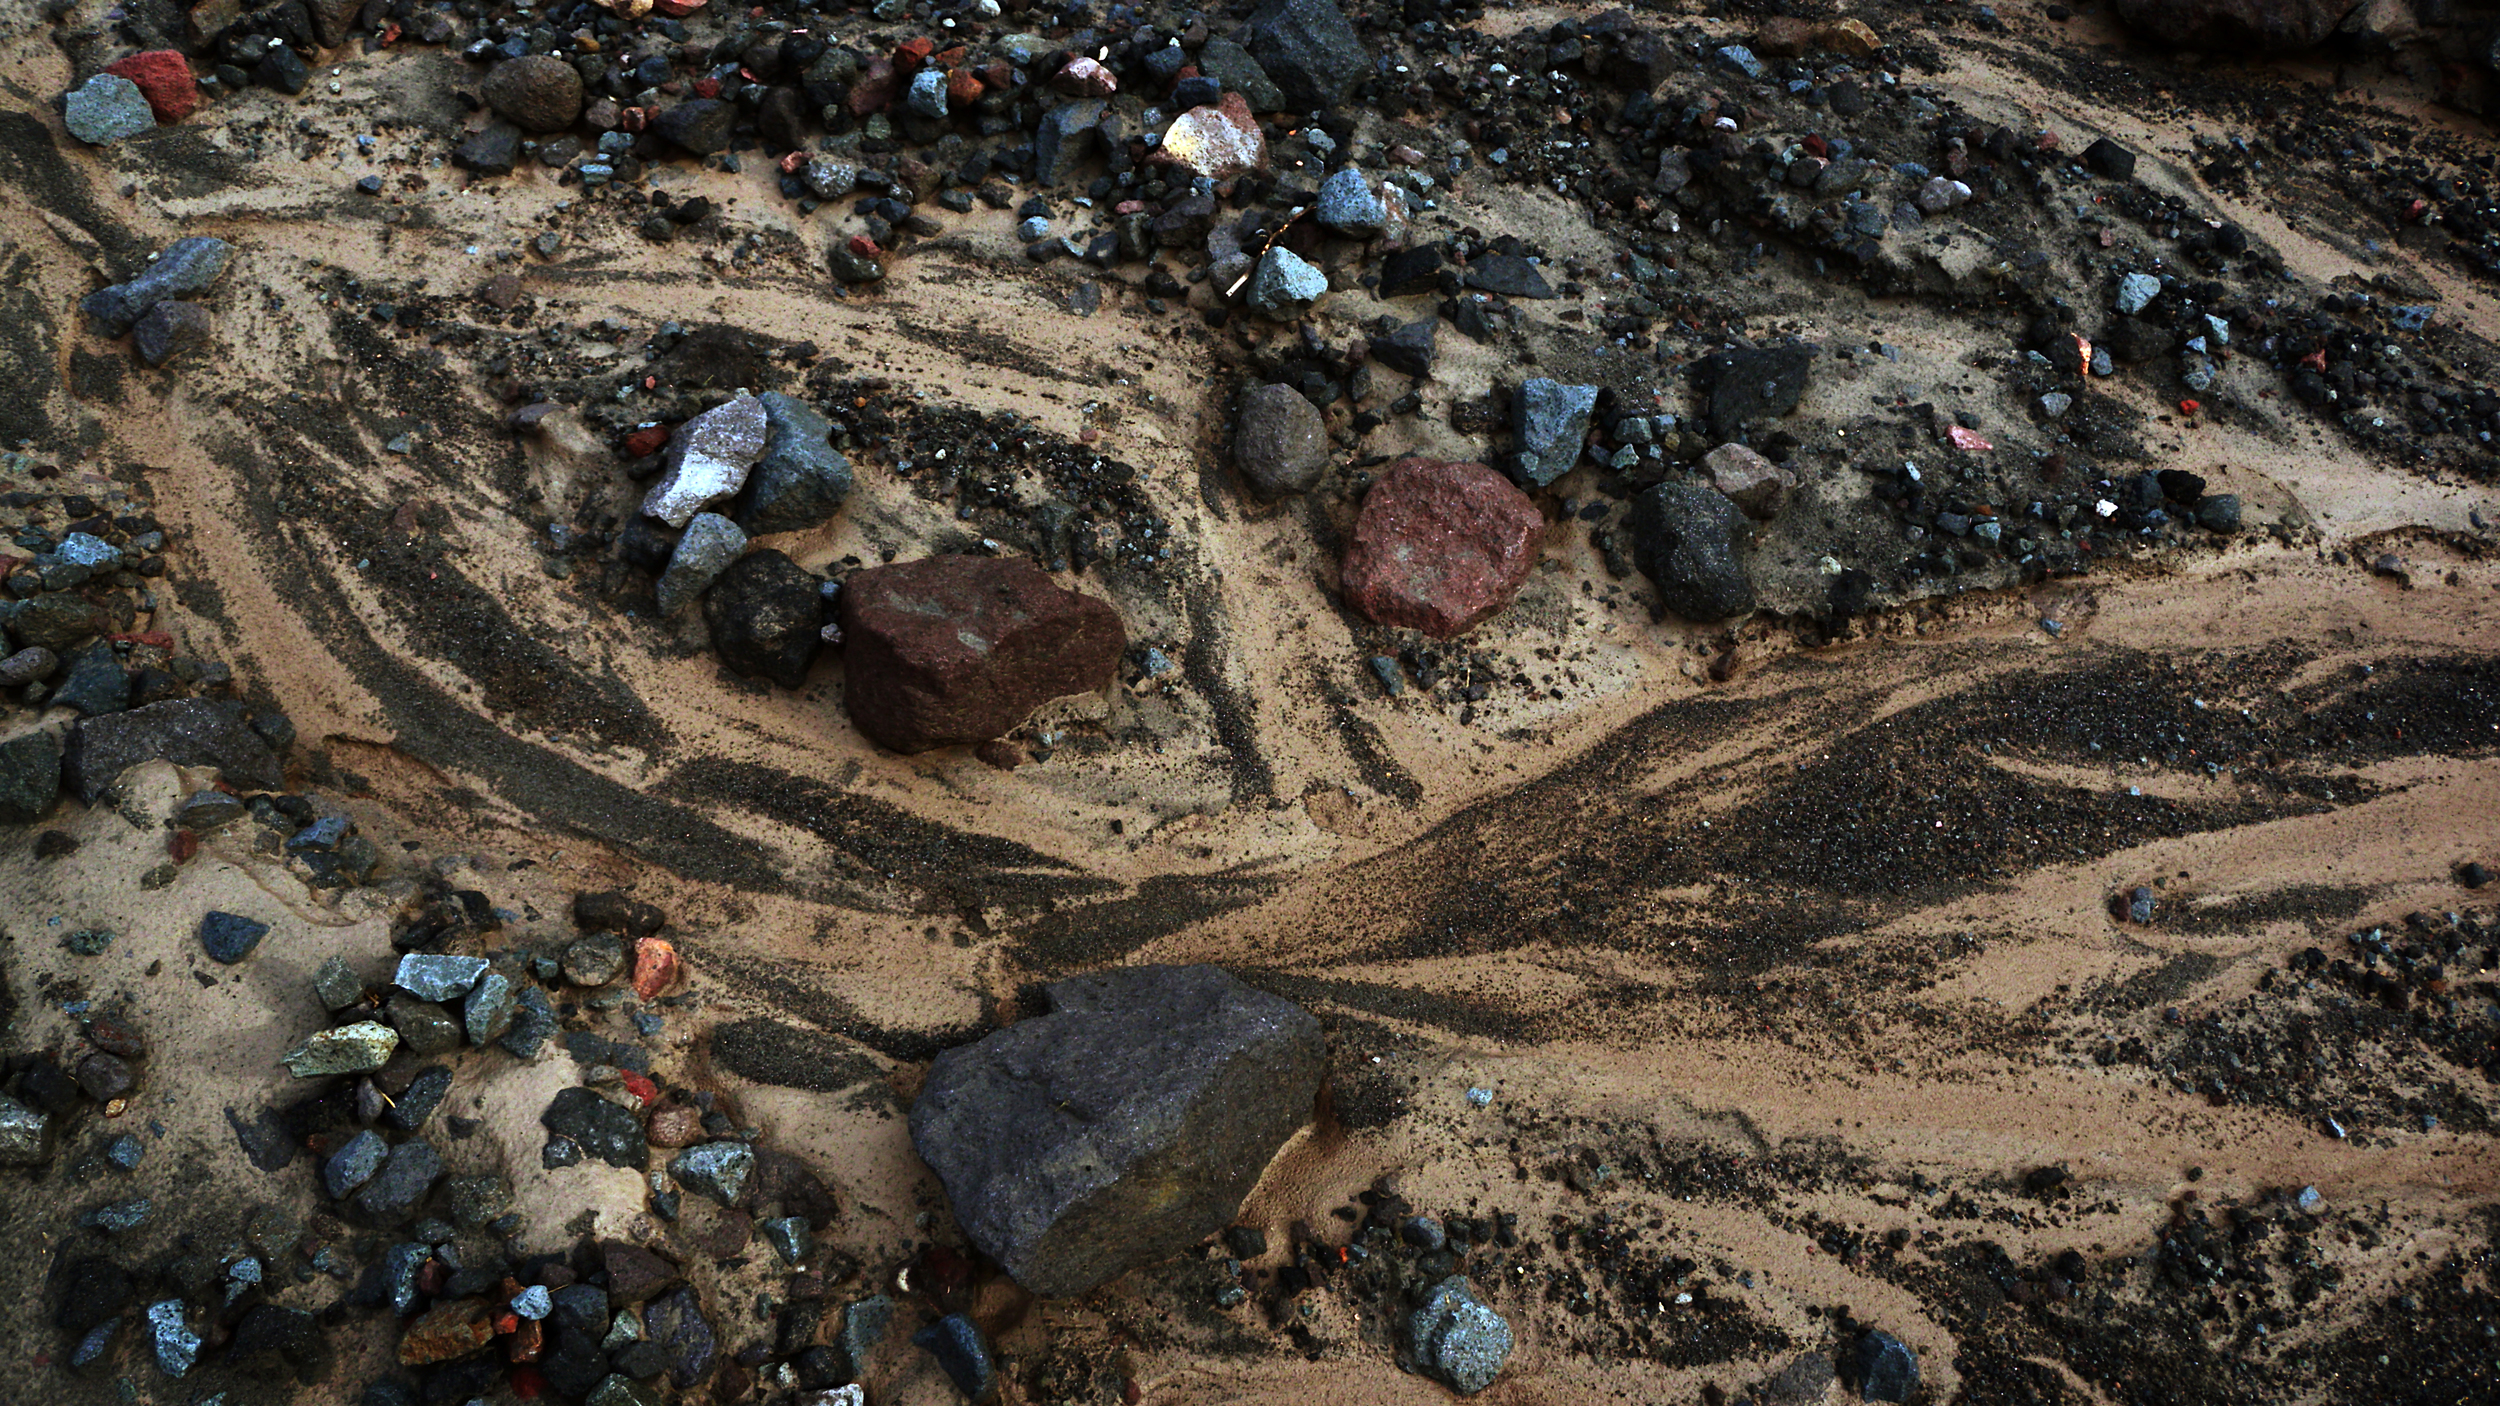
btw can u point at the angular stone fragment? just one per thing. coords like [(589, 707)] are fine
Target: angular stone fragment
[(1218, 142), (801, 479), (958, 649), (1455, 1337), (25, 1134), (711, 544), (1285, 285), (1122, 1127), (437, 976), (350, 1049), (1684, 539), (1440, 546), (766, 618), (1551, 421), (186, 266), (707, 460), (184, 731), (717, 1170)]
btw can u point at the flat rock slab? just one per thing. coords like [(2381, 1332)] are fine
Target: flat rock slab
[(959, 649), (1440, 546), (184, 731), (1122, 1127)]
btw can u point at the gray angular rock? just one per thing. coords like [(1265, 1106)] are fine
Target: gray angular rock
[(185, 266), (1280, 442), (1883, 1367), (2136, 292), (30, 775), (927, 94), (105, 109), (1684, 539), (1285, 285), (96, 683), (1309, 50), (1349, 205), (27, 665), (533, 1024), (1409, 350), (1753, 383), (228, 938), (176, 1346), (487, 1012), (437, 976), (1550, 421), (169, 329), (605, 1131), (337, 986), (1068, 134), (1457, 1338), (184, 731), (594, 961), (2219, 512), (424, 1094), (801, 479), (424, 1027), (708, 459), (407, 1174), (353, 1165), (716, 1170), (25, 1134), (349, 1049), (1122, 1127), (711, 543), (963, 1352), (699, 125)]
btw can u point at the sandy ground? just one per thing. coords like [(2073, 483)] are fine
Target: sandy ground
[(1652, 909)]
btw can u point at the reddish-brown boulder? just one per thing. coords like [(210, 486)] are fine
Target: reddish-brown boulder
[(1439, 546), (163, 77), (2241, 26), (956, 649)]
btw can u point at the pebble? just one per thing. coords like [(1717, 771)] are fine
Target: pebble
[(711, 543), (437, 976), (169, 329), (336, 984), (488, 1011), (1284, 286), (119, 1217), (230, 937), (105, 109), (1280, 442), (27, 665), (1550, 420), (25, 1134), (602, 1129), (791, 1237), (1349, 205), (185, 266), (717, 1170), (350, 1049), (707, 460), (1457, 1338), (177, 1347), (2136, 292), (353, 1165), (534, 1302)]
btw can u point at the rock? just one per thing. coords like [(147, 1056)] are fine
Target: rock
[(169, 329), (1067, 135), (533, 1023), (1457, 1338), (103, 1078), (851, 266), (424, 1094), (960, 649), (634, 1274), (2237, 26), (336, 985), (186, 266), (1850, 37), (538, 93), (1350, 205), (1550, 420), (594, 961), (963, 1351), (1805, 1381), (1509, 275), (96, 682), (1218, 142), (764, 615), (2107, 158), (716, 1170), (2136, 292), (655, 967), (407, 1174), (699, 125), (185, 731), (1754, 484), (487, 1013), (491, 150), (353, 1165), (177, 1348), (791, 1238), (711, 544), (612, 911), (228, 938), (105, 109), (1885, 1369), (1155, 1095), (1280, 442), (800, 480), (1285, 285), (1753, 384), (30, 775), (27, 665), (1230, 65), (1439, 546), (25, 1136), (708, 459), (2219, 513), (1941, 194), (349, 1049), (604, 1130), (424, 1027), (676, 1324), (273, 1338), (616, 1389), (437, 976), (1308, 50), (828, 179), (447, 1331), (163, 77), (1684, 539), (1409, 350)]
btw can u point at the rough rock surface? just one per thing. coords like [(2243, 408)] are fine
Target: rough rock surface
[(1439, 546), (1551, 420), (184, 731), (1754, 484), (711, 544), (164, 78), (186, 266), (1122, 1127), (1684, 540), (1753, 384), (2237, 26), (801, 479), (1218, 142), (1280, 442), (1457, 1338), (536, 92), (765, 617), (708, 459), (953, 649), (1309, 50), (107, 108)]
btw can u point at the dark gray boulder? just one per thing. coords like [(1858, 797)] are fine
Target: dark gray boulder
[(1068, 135), (801, 479), (1280, 443), (186, 266), (1883, 1367), (30, 775), (766, 617), (1684, 540), (1308, 50), (1122, 1127), (184, 731), (1457, 1338)]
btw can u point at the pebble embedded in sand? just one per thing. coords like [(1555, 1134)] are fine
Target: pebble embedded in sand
[(350, 1049)]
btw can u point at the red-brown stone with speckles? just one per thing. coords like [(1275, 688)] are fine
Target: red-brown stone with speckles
[(1439, 546), (959, 649)]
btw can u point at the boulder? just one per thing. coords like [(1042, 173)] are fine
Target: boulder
[(1684, 539), (537, 93), (801, 479), (766, 617), (184, 731), (2237, 26), (1280, 442), (1122, 1127), (1308, 50), (1440, 546), (958, 649)]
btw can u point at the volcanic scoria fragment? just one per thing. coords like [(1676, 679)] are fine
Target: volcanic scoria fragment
[(1122, 1127), (958, 649), (1440, 546)]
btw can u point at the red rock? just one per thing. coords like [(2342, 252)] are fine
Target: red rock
[(634, 1273), (998, 76), (639, 1086), (707, 87), (528, 1341), (447, 1330), (865, 247), (964, 88), (1084, 78), (677, 9), (674, 1126), (647, 440), (912, 53), (182, 845), (164, 79), (1968, 441), (876, 89), (1758, 487), (1439, 546), (528, 1383), (655, 966), (960, 649)]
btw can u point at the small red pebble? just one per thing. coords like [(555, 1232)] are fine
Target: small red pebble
[(964, 88), (638, 1085), (646, 440), (677, 9), (912, 53), (507, 1322), (633, 119), (1129, 207), (863, 246), (1816, 146), (2189, 407), (2316, 360), (792, 161), (655, 967), (182, 845), (707, 87), (164, 79)]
